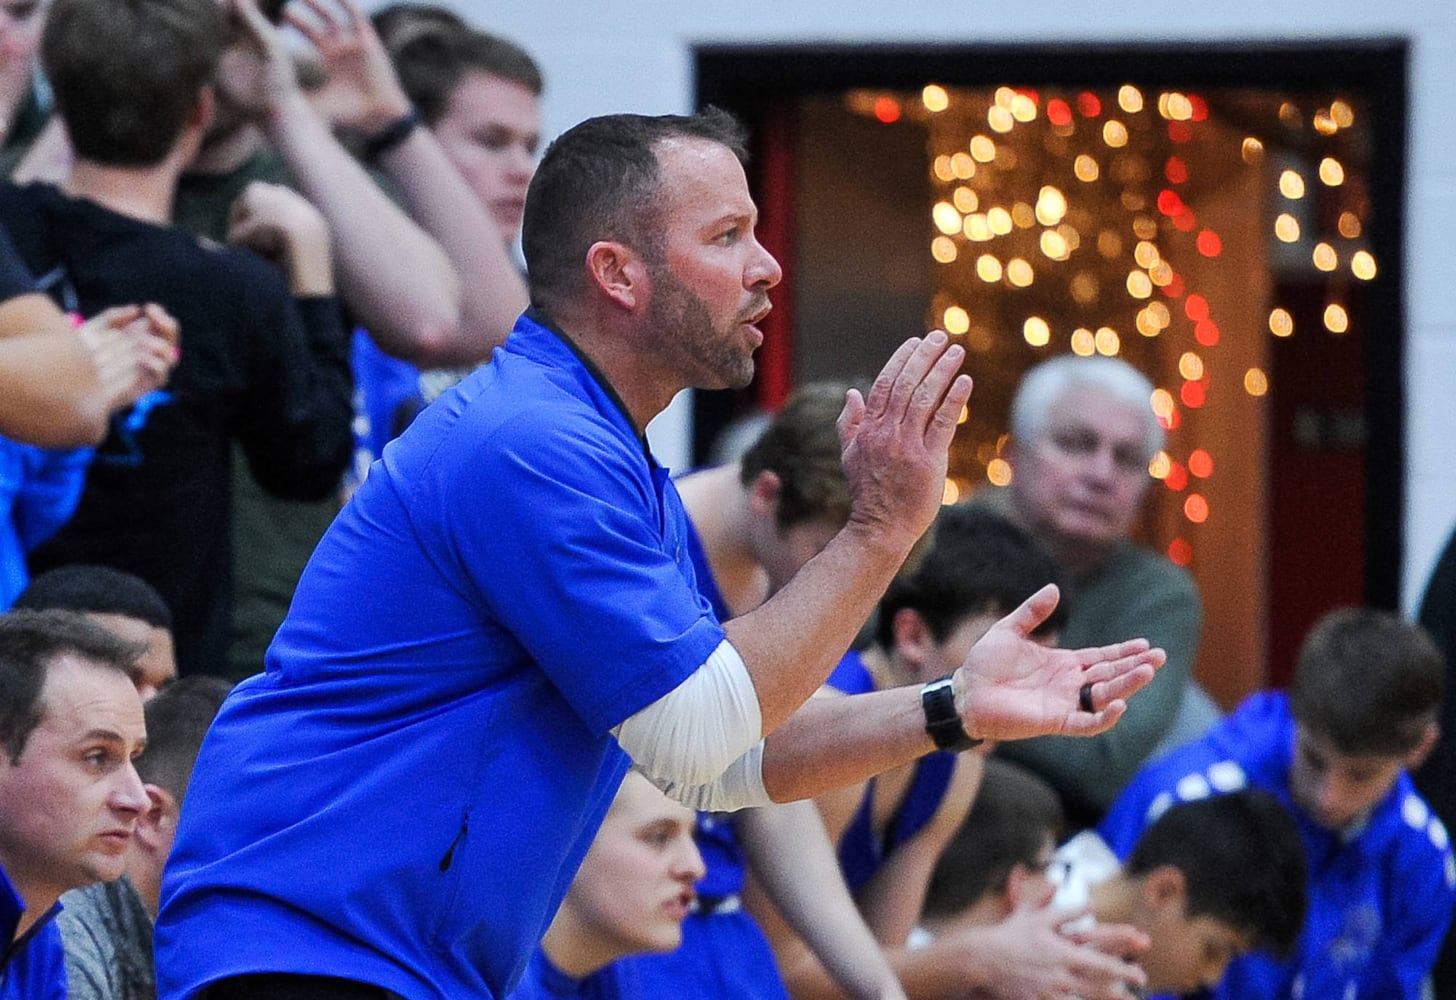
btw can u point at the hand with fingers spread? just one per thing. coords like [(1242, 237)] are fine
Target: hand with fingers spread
[(361, 90), (1012, 687), (895, 441)]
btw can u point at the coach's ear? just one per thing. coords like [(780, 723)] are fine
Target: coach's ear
[(619, 273)]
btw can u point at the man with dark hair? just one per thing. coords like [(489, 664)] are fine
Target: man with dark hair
[(605, 186), (1361, 711), (265, 363), (70, 725), (504, 617), (121, 602), (107, 927), (1207, 881)]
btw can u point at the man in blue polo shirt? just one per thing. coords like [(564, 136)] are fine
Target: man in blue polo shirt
[(505, 614)]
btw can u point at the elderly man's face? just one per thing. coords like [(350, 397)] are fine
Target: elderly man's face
[(711, 289), (1082, 479), (69, 805)]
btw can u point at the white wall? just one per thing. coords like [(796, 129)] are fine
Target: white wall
[(638, 57)]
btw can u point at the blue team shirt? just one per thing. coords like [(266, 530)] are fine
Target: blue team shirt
[(544, 981), (33, 968), (862, 848), (405, 794), (1380, 896)]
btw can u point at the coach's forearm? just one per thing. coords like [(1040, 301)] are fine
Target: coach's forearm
[(836, 741), (792, 642)]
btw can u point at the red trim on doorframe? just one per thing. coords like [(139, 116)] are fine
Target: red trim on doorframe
[(775, 379)]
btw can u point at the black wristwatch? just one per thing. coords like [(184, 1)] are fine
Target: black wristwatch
[(941, 720)]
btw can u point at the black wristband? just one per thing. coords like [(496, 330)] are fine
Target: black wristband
[(937, 699), (392, 134)]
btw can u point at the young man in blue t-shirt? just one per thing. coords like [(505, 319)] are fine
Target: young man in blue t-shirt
[(631, 895), (1335, 750)]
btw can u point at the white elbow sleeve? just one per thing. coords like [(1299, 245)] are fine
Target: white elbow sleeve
[(693, 733), (739, 787)]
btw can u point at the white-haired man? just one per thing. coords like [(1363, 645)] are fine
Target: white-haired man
[(1082, 435)]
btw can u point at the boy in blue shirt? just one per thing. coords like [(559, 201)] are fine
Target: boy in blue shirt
[(631, 895), (1335, 750)]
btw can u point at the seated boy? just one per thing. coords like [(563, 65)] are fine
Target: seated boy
[(1208, 881), (631, 894), (119, 602), (1361, 710), (892, 830), (1000, 858)]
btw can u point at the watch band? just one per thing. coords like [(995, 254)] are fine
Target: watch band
[(937, 699), (392, 135)]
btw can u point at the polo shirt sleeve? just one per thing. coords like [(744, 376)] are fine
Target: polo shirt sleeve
[(578, 548)]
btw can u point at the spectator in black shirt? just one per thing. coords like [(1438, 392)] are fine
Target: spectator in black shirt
[(264, 367)]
